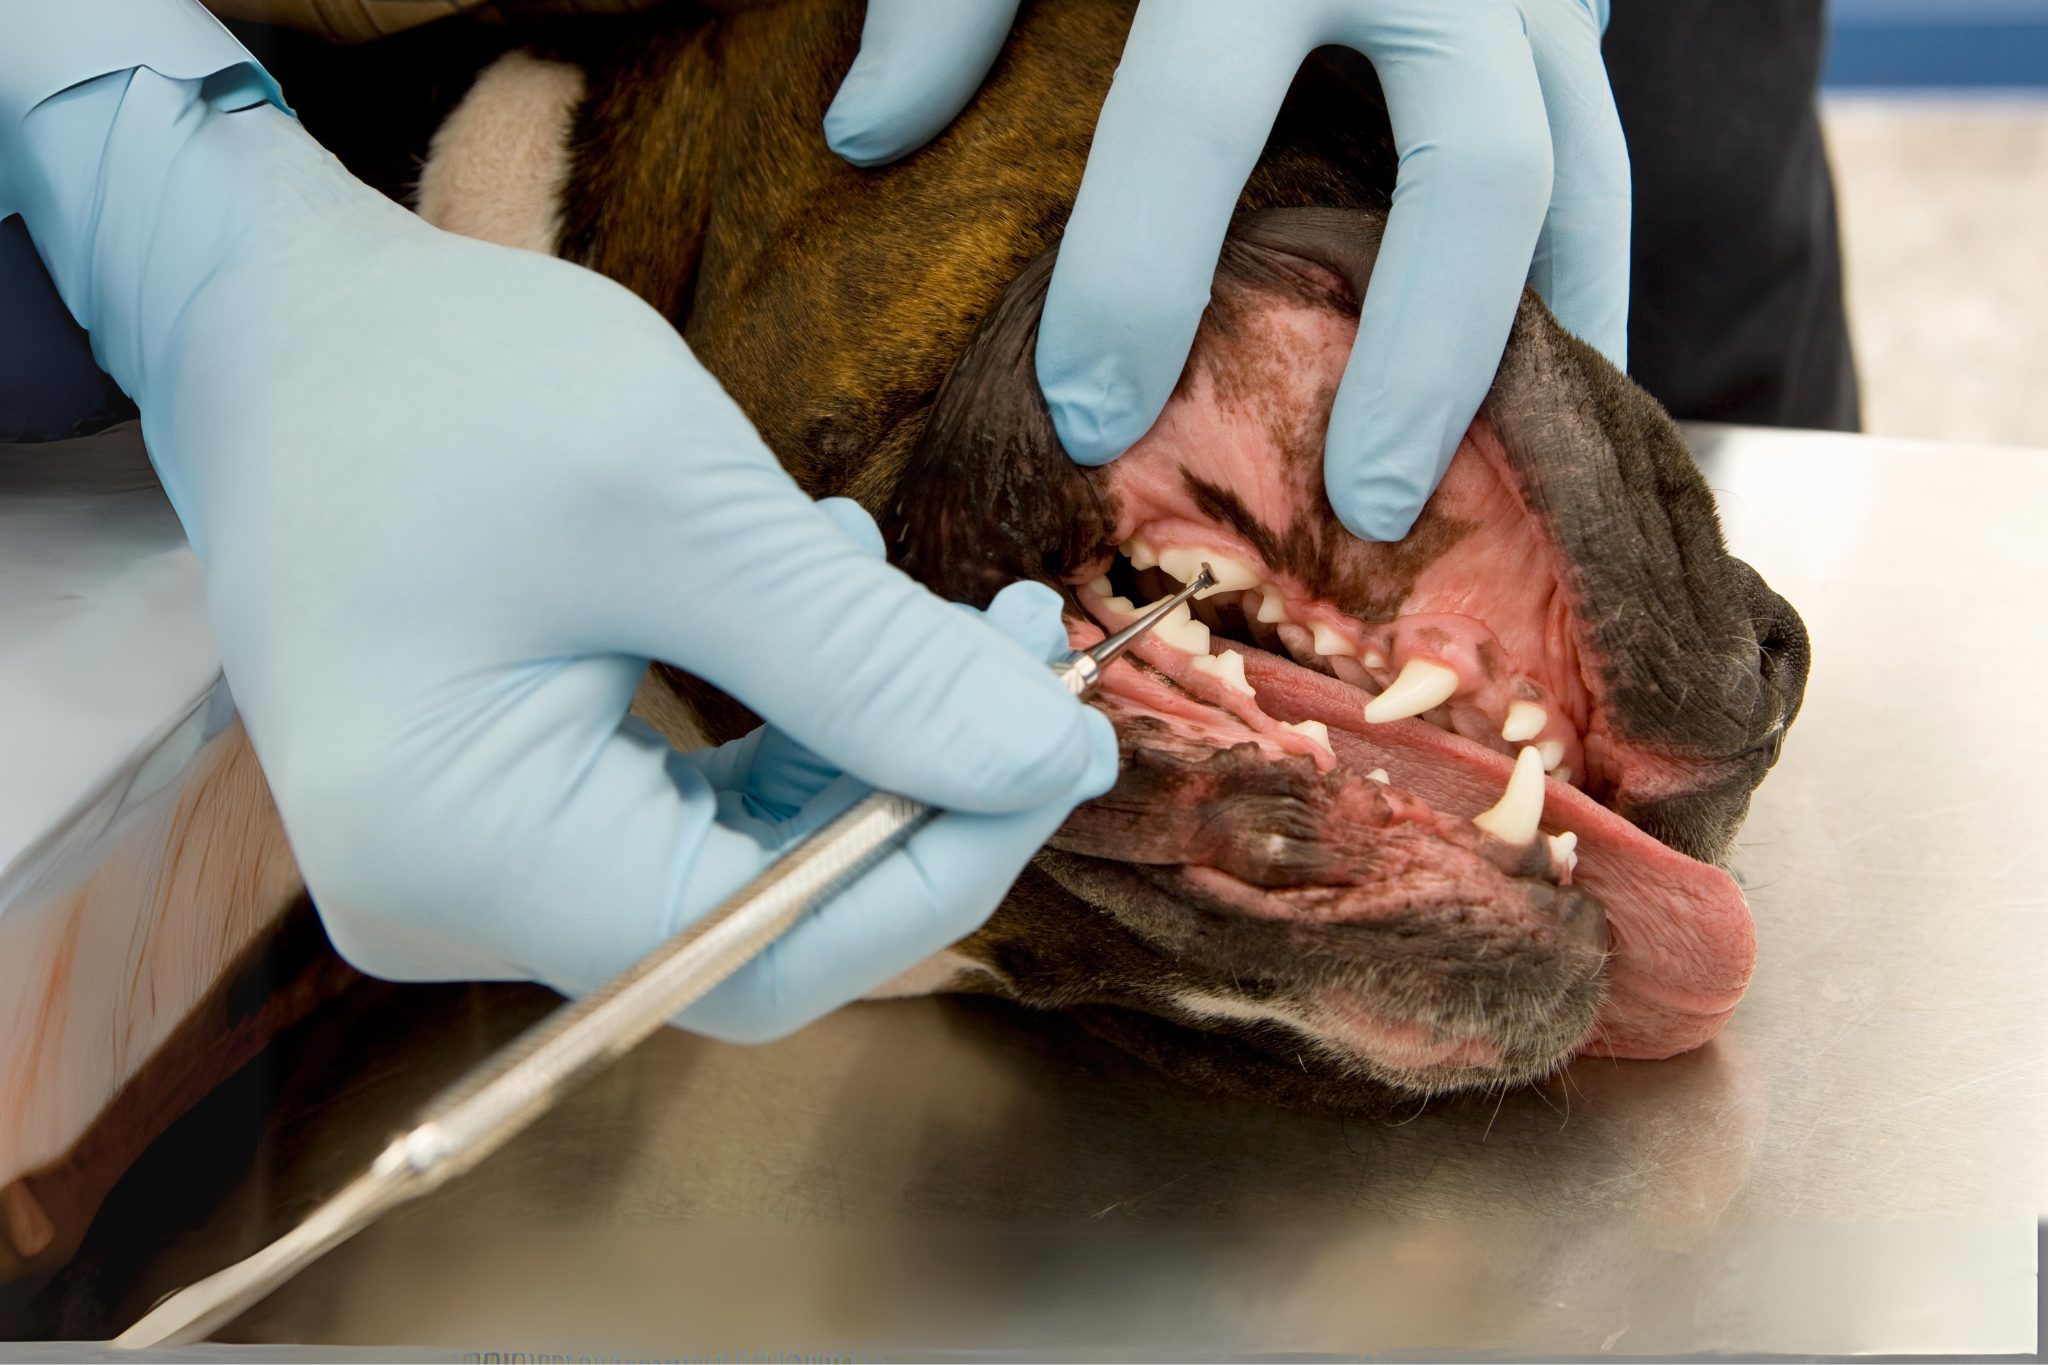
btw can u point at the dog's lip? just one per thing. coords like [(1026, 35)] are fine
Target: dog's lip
[(1682, 942)]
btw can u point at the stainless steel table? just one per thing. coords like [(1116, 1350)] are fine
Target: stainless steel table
[(1856, 1165)]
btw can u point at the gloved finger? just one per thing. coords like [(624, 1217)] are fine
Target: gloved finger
[(843, 653), (936, 890), (1582, 258), (1186, 117), (767, 776), (920, 63), (1473, 190), (1031, 614), (854, 522)]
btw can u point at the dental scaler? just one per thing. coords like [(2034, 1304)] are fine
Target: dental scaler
[(500, 1096)]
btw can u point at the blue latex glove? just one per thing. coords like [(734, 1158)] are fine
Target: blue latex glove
[(450, 498), (1513, 168)]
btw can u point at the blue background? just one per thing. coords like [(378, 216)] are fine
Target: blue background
[(1954, 43)]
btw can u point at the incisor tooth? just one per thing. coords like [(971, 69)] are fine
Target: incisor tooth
[(1228, 667), (1515, 816), (1552, 751), (1329, 642), (1422, 686), (1315, 730), (1563, 849), (1141, 555), (1526, 720), (1273, 609), (1183, 562)]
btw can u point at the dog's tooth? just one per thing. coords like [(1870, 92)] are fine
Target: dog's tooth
[(1140, 553), (1372, 658), (1100, 586), (1184, 562), (1228, 667), (1379, 775), (1121, 606), (1515, 816), (1422, 686), (1552, 751), (1526, 720), (1564, 853), (1561, 774), (1181, 630), (1329, 642), (1315, 730), (1273, 609)]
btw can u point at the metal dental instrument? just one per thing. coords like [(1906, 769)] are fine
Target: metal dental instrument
[(501, 1095)]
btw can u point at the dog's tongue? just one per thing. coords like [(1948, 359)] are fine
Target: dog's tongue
[(1684, 945)]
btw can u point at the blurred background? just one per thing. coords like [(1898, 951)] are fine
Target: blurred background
[(1936, 118)]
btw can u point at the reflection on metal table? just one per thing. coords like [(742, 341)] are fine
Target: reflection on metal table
[(1855, 1165)]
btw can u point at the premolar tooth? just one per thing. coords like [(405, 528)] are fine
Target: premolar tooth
[(1526, 720), (1141, 555), (1181, 630), (1422, 686), (1564, 852), (1379, 775), (1100, 586), (1273, 609), (1329, 642), (1372, 658), (1515, 816), (1229, 667), (1183, 562), (1315, 730), (1552, 751)]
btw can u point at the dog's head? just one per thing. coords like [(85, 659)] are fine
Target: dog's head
[(1281, 895)]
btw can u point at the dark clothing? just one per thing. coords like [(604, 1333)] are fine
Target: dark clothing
[(1736, 302), (50, 388), (1735, 305)]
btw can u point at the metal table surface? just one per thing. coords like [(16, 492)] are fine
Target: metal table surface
[(1855, 1165)]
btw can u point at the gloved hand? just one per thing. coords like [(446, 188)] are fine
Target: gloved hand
[(1512, 167), (450, 498)]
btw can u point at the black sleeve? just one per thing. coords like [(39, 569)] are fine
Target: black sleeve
[(1735, 310)]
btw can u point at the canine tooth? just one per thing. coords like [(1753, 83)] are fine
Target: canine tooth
[(1228, 667), (1100, 586), (1141, 555), (1183, 562), (1526, 720), (1515, 816), (1328, 641), (1273, 609), (1563, 851), (1379, 775), (1422, 686), (1315, 730), (1552, 751), (1181, 630)]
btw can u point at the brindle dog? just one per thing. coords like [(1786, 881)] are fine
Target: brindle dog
[(876, 325)]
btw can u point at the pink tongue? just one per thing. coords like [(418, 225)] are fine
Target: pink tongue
[(1683, 941)]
